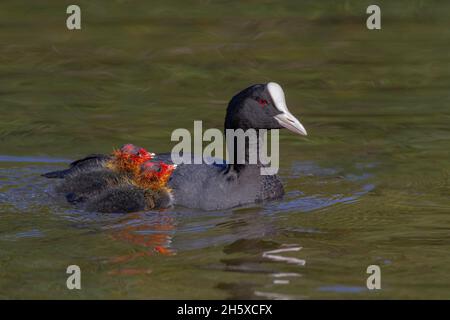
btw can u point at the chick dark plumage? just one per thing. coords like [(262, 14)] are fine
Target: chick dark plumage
[(126, 181), (83, 184), (129, 198)]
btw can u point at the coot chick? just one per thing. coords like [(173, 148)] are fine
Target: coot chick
[(126, 181)]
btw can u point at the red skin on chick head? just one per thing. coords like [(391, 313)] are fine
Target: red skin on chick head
[(156, 174), (130, 157), (137, 161)]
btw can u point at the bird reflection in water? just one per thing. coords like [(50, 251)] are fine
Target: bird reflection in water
[(152, 237)]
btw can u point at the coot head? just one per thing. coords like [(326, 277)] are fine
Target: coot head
[(261, 106)]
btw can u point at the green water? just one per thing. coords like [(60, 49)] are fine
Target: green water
[(369, 185)]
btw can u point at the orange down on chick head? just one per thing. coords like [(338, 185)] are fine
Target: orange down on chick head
[(136, 162), (129, 159), (155, 175)]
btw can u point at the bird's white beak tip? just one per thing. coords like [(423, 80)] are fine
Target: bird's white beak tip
[(291, 123)]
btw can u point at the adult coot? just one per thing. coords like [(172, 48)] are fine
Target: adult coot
[(97, 182)]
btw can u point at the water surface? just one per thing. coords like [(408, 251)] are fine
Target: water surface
[(369, 185)]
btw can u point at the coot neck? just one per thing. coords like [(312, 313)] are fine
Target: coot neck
[(250, 157)]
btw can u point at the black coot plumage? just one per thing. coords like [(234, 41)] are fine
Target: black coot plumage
[(202, 186)]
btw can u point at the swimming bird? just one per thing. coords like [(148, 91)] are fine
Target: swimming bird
[(128, 180), (97, 181)]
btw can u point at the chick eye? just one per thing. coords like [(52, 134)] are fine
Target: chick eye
[(262, 102)]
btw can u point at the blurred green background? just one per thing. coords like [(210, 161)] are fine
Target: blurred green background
[(369, 185)]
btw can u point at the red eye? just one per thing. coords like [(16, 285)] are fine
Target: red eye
[(262, 102)]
